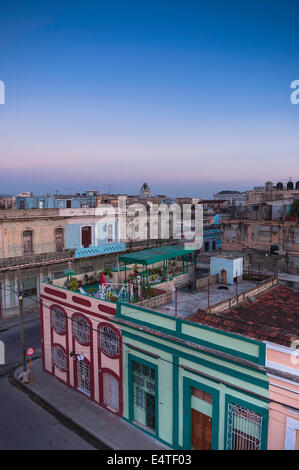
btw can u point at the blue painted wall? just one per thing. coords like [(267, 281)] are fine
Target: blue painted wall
[(98, 246), (233, 268), (210, 235)]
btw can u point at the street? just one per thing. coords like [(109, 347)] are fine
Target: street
[(24, 425)]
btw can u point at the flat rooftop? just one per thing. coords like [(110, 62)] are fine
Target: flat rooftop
[(189, 303)]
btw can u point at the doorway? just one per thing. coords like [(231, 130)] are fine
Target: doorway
[(86, 236), (223, 276)]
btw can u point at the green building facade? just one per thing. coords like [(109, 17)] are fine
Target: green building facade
[(192, 386)]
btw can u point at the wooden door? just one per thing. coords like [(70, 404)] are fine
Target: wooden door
[(59, 239), (86, 236), (201, 431), (223, 276)]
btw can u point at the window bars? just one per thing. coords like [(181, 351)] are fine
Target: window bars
[(59, 358), (111, 392), (83, 371), (108, 341), (81, 330), (58, 320), (244, 429)]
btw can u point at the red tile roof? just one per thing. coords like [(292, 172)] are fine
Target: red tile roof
[(274, 316)]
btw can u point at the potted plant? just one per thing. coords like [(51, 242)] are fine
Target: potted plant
[(74, 284)]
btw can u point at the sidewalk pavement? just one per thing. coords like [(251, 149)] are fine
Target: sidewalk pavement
[(101, 428)]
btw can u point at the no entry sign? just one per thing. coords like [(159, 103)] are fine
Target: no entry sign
[(30, 352)]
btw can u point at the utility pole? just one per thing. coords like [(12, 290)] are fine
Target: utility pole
[(20, 296)]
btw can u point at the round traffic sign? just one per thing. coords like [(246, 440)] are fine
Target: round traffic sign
[(30, 352)]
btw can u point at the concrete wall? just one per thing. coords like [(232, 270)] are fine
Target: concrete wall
[(11, 235), (158, 301), (204, 281), (233, 301)]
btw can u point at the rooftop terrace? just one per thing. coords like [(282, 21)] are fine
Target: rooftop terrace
[(188, 302)]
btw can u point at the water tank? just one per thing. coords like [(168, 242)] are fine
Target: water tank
[(290, 185), (279, 185), (297, 185), (269, 186)]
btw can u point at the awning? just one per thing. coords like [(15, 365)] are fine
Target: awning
[(154, 255)]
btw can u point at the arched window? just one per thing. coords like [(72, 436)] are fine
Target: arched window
[(111, 392), (58, 320), (59, 358), (81, 329), (108, 341)]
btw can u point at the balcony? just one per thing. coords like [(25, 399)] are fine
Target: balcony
[(10, 264)]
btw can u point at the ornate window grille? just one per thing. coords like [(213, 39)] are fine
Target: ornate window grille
[(111, 392), (244, 429), (108, 341), (59, 358), (58, 320), (144, 395), (81, 330), (83, 371), (139, 397)]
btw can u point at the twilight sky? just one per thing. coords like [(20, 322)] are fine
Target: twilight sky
[(189, 96)]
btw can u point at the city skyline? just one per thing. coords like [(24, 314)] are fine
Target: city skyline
[(190, 98)]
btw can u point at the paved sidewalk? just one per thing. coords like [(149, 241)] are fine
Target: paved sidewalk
[(84, 416)]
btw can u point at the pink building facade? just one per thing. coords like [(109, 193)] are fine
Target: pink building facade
[(81, 346), (283, 433)]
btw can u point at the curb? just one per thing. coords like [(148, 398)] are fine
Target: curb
[(63, 419)]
